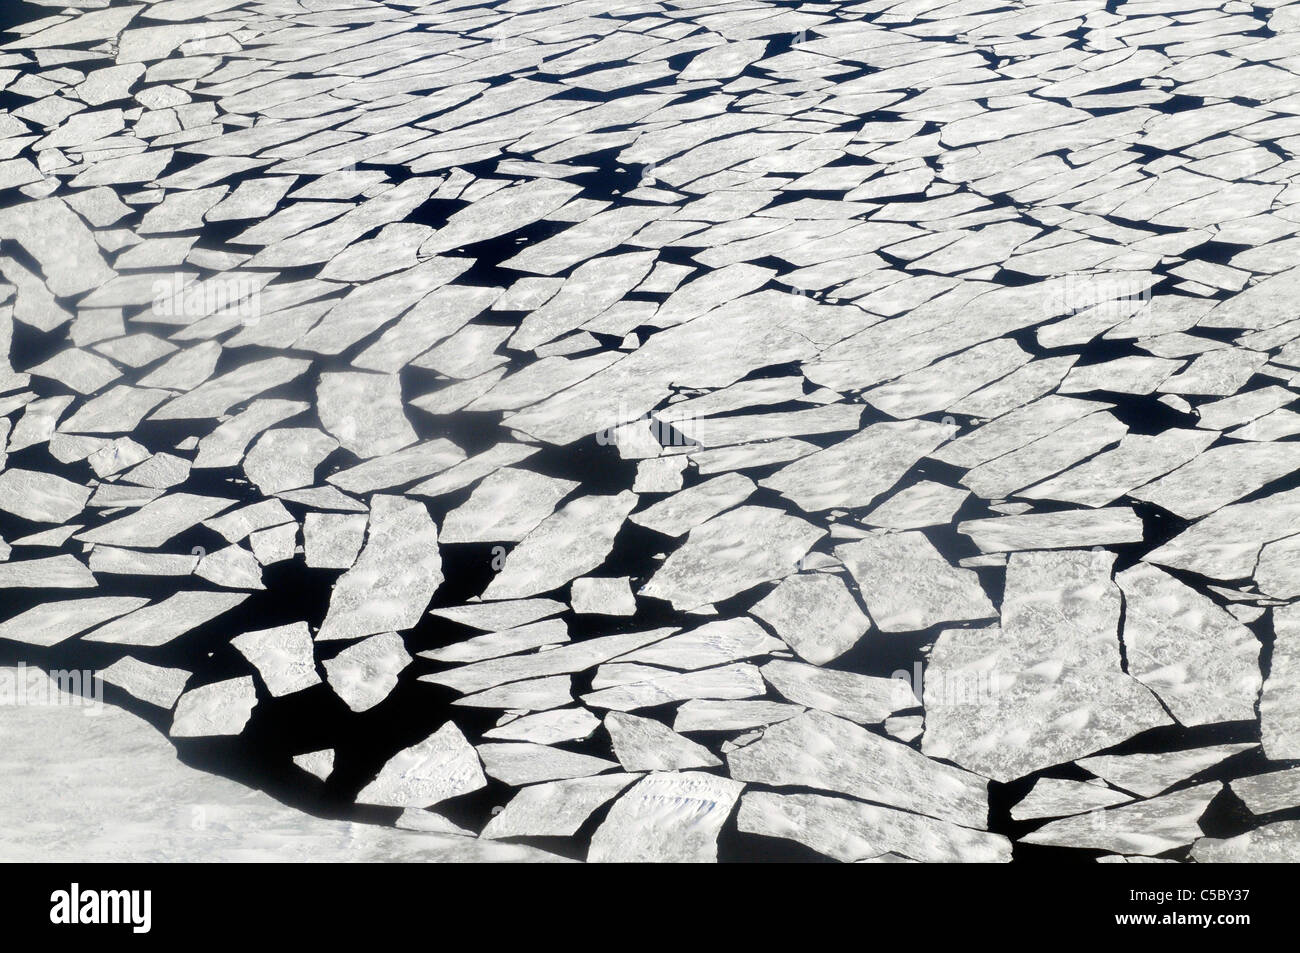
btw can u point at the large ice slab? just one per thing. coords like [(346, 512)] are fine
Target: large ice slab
[(815, 615), (1202, 662), (818, 750), (1046, 687), (1143, 827), (442, 766), (393, 579), (851, 830), (572, 541), (672, 817), (907, 584), (731, 553)]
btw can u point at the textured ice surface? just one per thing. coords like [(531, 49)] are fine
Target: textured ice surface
[(1279, 704), (1203, 663), (1054, 797), (366, 672), (852, 830), (669, 817), (1145, 827), (730, 554), (820, 751), (441, 766), (394, 577), (907, 584), (815, 615), (283, 657), (556, 808), (1149, 774), (1046, 687)]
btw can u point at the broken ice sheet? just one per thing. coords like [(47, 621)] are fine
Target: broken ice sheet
[(672, 817), (220, 708), (1149, 774), (1047, 686), (399, 467), (852, 830), (935, 387), (518, 762), (1055, 797), (505, 506), (473, 468), (275, 544), (332, 540), (573, 540), (231, 567), (817, 750), (593, 595), (442, 766), (815, 614), (745, 456), (686, 509), (155, 523), (643, 744), (715, 643), (286, 459), (907, 585), (731, 715), (1143, 827), (364, 412), (1220, 476), (318, 763), (865, 699), (504, 642), (532, 694), (394, 578), (697, 342), (1061, 530), (236, 525), (1109, 475), (574, 657), (1016, 429), (434, 316), (590, 289), (282, 656), (118, 410), (1200, 661), (1272, 843), (1218, 373), (161, 622), (1226, 544), (52, 622), (548, 727), (855, 471), (924, 503), (728, 681), (731, 553), (539, 380), (60, 243), (216, 396), (1045, 456), (556, 808), (1279, 704), (1266, 793), (500, 615), (1125, 375), (154, 684), (365, 673), (123, 562)]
